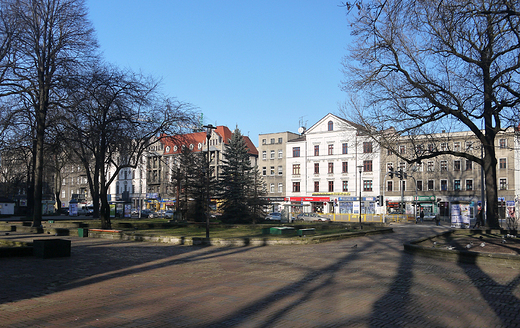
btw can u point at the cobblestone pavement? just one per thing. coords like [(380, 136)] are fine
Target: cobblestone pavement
[(107, 283)]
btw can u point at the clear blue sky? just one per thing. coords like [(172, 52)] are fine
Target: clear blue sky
[(261, 65)]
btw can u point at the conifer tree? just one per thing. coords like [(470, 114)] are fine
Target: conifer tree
[(236, 181)]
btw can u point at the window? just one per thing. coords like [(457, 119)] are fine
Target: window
[(331, 149), (316, 150), (389, 185), (503, 184), (431, 148), (344, 167), (264, 141), (367, 185), (345, 185), (331, 126), (272, 140), (402, 166), (296, 187), (280, 153), (418, 185), (403, 185), (331, 168), (63, 182), (402, 149), (316, 186), (280, 140), (444, 185), (271, 189), (367, 166), (444, 146), (344, 148), (264, 155), (389, 167), (272, 170), (469, 165), (502, 143), (316, 168), (367, 147), (502, 164), (430, 167), (456, 146), (419, 149), (272, 154), (456, 185), (331, 186), (280, 170), (430, 185), (469, 184), (444, 166), (469, 145), (280, 187), (296, 169), (264, 170), (296, 152), (456, 165), (63, 194)]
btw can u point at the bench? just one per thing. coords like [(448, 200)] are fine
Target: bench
[(304, 232), (48, 248)]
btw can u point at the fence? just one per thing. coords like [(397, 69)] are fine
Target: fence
[(371, 218)]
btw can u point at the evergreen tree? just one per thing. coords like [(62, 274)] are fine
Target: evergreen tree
[(236, 181), (255, 193), (189, 179)]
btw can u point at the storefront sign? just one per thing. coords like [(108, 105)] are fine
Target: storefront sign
[(309, 199)]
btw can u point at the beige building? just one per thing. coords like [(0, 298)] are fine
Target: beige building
[(437, 183), (272, 165)]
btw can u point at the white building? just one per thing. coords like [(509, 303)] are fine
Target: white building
[(330, 165)]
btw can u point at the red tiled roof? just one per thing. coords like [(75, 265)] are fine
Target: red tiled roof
[(198, 140)]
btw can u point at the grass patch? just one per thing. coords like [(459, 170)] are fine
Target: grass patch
[(154, 227)]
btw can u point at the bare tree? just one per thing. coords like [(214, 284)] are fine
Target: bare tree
[(114, 116), (53, 38), (426, 66)]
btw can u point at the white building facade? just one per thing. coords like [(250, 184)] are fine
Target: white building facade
[(333, 168)]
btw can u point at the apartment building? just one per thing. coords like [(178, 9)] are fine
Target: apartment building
[(333, 167), (437, 183), (272, 165)]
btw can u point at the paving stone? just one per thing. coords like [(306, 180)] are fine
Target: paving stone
[(113, 283)]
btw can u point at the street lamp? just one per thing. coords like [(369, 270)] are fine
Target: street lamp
[(208, 128), (360, 168)]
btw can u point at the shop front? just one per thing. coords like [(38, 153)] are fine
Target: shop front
[(314, 204)]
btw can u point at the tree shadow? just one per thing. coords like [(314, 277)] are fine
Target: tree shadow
[(28, 277)]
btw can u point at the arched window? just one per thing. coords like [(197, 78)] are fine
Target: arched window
[(331, 126)]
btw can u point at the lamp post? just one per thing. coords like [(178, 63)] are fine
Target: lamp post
[(360, 168), (209, 128)]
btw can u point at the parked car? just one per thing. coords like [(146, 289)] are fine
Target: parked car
[(168, 214), (275, 216), (311, 217), (144, 213)]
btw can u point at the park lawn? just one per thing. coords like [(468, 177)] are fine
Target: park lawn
[(153, 227)]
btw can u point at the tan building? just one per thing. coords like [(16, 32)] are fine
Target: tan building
[(437, 183), (272, 165)]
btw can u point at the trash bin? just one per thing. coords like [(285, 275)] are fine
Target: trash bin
[(82, 232)]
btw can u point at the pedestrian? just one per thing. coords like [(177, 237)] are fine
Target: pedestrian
[(421, 215), (479, 217), (437, 219)]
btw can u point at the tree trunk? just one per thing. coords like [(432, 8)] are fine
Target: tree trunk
[(38, 168)]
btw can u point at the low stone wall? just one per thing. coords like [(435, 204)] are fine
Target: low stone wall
[(461, 256)]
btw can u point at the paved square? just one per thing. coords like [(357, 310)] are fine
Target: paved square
[(107, 283)]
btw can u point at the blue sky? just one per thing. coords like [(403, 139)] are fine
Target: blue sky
[(262, 65)]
